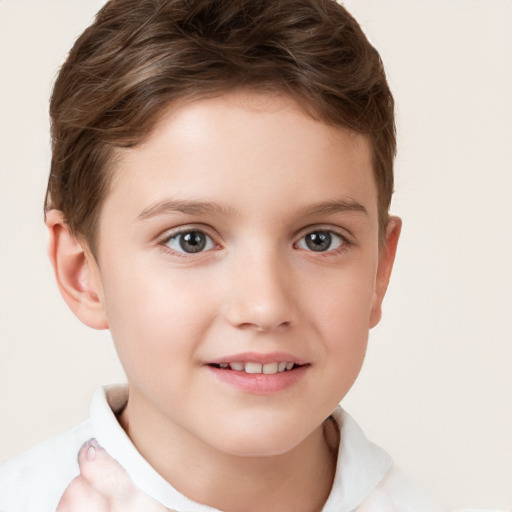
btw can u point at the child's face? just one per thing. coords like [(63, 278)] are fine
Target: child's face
[(282, 211)]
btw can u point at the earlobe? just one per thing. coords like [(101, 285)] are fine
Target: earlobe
[(386, 259), (76, 272)]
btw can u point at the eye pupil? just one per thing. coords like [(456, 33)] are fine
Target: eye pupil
[(319, 241), (193, 241)]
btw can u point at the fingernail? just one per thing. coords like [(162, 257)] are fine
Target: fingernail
[(91, 453), (89, 449)]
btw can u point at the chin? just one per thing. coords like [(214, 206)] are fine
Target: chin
[(260, 441)]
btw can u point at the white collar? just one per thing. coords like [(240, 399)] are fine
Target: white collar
[(360, 467)]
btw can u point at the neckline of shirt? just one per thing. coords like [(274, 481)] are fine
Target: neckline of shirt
[(360, 466)]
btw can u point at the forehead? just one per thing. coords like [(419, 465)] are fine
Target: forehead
[(244, 149)]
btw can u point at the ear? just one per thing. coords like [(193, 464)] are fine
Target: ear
[(386, 259), (76, 271)]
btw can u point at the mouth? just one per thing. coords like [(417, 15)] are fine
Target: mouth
[(259, 374), (258, 368)]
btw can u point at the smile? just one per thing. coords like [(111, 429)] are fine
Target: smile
[(258, 373), (257, 377), (254, 368)]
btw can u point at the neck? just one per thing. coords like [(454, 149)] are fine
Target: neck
[(299, 480)]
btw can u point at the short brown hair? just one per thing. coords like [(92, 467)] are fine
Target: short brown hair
[(139, 55)]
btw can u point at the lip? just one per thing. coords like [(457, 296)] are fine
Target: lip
[(259, 383), (257, 357)]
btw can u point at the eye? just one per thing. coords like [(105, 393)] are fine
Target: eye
[(321, 241), (190, 242)]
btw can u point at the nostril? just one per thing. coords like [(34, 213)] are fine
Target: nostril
[(262, 326)]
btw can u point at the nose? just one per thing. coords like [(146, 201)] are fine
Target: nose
[(261, 295)]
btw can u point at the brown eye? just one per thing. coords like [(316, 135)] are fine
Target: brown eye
[(190, 242), (320, 241)]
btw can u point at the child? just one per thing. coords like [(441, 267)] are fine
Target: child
[(221, 178)]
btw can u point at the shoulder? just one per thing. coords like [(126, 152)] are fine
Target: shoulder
[(366, 479), (394, 493), (35, 480)]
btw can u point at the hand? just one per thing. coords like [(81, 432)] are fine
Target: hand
[(104, 486)]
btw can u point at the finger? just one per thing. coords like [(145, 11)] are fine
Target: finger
[(79, 496), (107, 477), (102, 472)]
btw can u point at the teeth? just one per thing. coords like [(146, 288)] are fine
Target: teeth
[(270, 368), (266, 369), (253, 367)]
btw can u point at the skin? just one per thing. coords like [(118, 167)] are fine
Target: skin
[(270, 176), (104, 486)]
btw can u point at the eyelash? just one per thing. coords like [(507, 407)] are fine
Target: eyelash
[(176, 235), (344, 242)]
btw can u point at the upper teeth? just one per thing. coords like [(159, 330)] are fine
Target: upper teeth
[(267, 369)]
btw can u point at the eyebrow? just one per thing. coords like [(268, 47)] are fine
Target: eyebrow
[(206, 208), (332, 207), (187, 207)]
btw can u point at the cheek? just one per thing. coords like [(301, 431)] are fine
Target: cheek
[(346, 336), (342, 319), (345, 301), (155, 324)]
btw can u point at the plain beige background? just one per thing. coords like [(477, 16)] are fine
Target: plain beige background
[(436, 390)]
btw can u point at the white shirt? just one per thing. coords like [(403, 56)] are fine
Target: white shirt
[(34, 481)]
